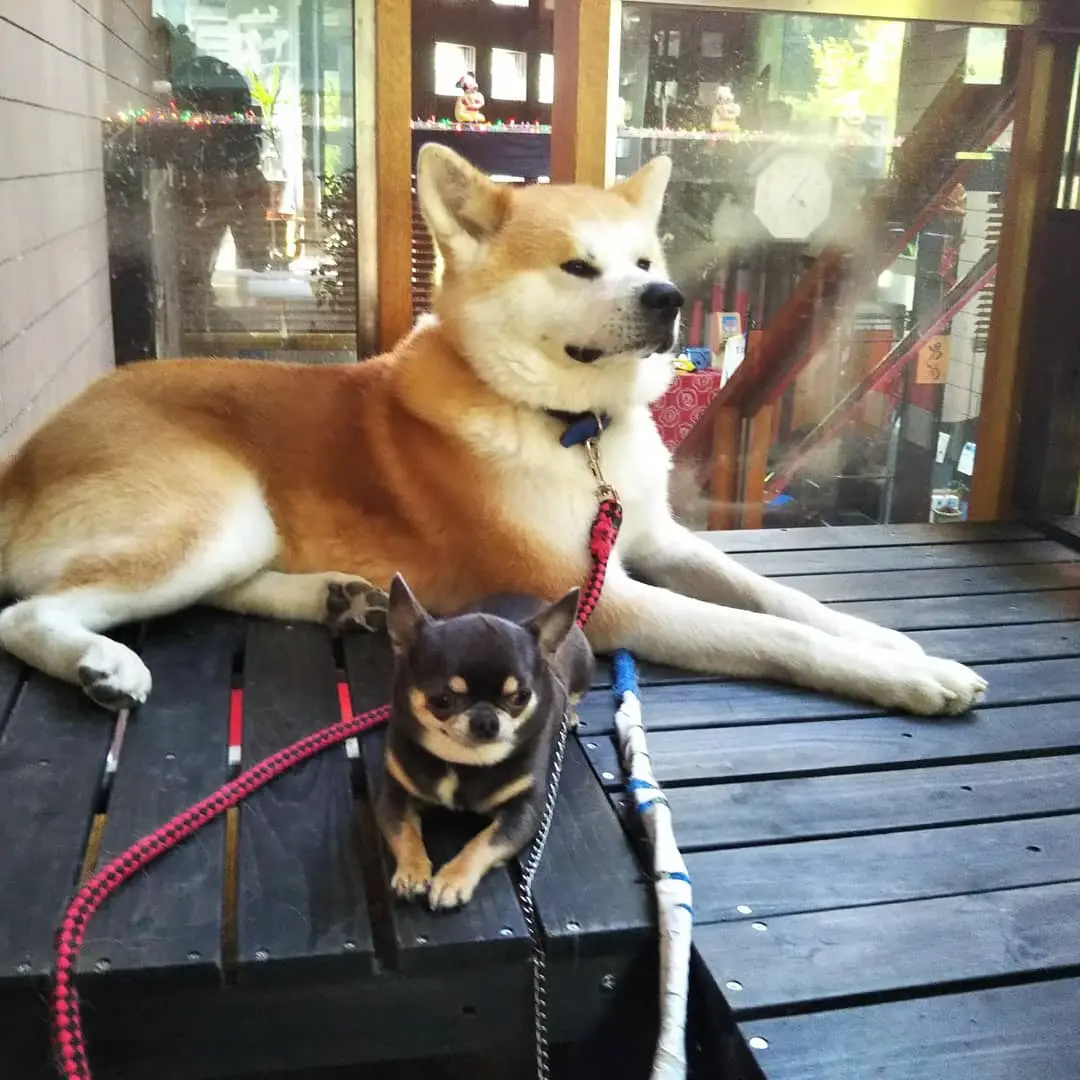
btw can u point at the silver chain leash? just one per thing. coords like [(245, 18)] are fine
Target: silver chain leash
[(528, 906)]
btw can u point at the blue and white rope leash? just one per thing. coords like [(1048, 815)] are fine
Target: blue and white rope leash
[(674, 896)]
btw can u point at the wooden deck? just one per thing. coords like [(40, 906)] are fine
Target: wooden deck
[(269, 941), (878, 896), (874, 895)]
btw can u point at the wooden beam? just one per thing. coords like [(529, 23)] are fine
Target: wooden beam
[(585, 43), (1041, 117), (723, 487), (393, 153), (758, 441)]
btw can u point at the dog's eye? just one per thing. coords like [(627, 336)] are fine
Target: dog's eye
[(644, 264), (521, 698), (580, 268), (439, 702)]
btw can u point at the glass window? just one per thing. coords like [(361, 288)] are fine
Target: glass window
[(243, 181), (546, 90), (509, 78), (833, 220), (451, 62)]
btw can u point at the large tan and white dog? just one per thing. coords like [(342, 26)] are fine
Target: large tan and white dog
[(297, 492)]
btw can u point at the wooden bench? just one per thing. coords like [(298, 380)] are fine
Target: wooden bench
[(269, 940), (880, 896)]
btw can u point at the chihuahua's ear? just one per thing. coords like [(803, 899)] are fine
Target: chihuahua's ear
[(404, 616), (551, 625)]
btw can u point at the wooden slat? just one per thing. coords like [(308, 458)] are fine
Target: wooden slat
[(906, 557), (998, 1034), (935, 613), (490, 927), (52, 757), (887, 948), (784, 879), (886, 585), (591, 893), (773, 750), (728, 704), (174, 754), (816, 807), (861, 536), (300, 888)]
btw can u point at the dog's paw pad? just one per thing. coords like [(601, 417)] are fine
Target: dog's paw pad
[(112, 676), (355, 604)]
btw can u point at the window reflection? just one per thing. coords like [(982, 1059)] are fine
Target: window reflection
[(243, 178), (832, 220)]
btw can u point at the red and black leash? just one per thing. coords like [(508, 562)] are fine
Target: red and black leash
[(70, 1046)]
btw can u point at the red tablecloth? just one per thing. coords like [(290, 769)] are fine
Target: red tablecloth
[(686, 399)]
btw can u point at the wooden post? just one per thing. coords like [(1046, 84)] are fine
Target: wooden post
[(1041, 118), (724, 485), (393, 153), (758, 441), (584, 40)]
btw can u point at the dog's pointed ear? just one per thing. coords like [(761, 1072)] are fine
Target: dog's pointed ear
[(461, 206), (551, 625), (647, 187), (404, 616)]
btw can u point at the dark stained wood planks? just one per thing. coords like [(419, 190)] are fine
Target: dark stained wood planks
[(998, 1034), (300, 889), (922, 557), (863, 536), (794, 961), (52, 759), (883, 867), (174, 754), (814, 807)]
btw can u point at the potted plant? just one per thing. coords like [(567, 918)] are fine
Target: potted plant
[(265, 96)]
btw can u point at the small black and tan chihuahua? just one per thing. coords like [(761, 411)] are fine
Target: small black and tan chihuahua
[(478, 702)]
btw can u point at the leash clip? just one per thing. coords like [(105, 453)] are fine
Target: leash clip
[(603, 489)]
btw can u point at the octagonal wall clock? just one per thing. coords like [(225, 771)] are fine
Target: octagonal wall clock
[(793, 195)]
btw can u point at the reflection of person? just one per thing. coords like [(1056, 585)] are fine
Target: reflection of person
[(470, 101), (218, 182)]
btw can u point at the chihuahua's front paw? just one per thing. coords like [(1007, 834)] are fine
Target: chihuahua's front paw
[(453, 886), (355, 604), (412, 880)]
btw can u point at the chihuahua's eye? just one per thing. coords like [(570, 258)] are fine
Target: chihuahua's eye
[(439, 702), (580, 268), (521, 698), (644, 264)]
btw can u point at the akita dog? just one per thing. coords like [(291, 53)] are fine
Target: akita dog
[(297, 492)]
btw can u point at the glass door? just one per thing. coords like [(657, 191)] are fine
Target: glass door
[(833, 220), (232, 203)]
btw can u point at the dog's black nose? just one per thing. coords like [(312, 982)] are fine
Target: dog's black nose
[(483, 723), (662, 297)]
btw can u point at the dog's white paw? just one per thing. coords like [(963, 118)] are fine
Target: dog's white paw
[(929, 686), (113, 676), (413, 879)]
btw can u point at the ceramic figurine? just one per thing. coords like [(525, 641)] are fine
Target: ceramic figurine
[(470, 101), (726, 111)]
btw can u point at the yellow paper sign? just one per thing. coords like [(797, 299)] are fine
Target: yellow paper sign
[(933, 363)]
